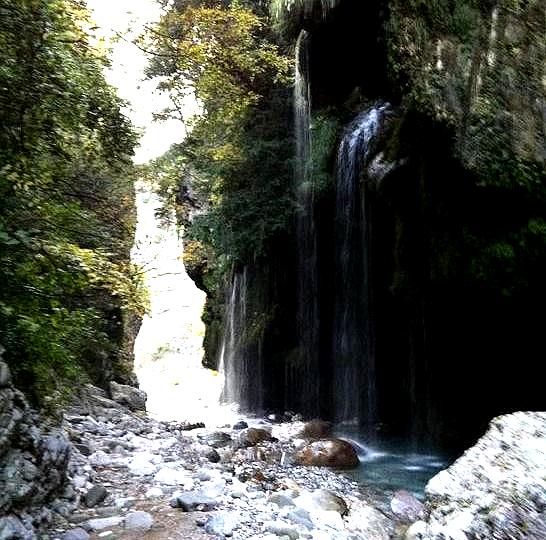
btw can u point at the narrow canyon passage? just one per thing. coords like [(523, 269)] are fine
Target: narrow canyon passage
[(168, 349)]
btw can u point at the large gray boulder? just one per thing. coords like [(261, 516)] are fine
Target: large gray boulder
[(33, 462), (129, 396), (496, 490)]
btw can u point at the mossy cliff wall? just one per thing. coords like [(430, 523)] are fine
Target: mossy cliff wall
[(458, 243)]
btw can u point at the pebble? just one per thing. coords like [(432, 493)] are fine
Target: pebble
[(282, 529), (98, 524), (95, 496), (76, 534), (139, 520), (223, 523)]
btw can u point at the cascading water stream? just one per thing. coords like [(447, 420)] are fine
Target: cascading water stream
[(353, 336), (230, 351), (302, 377), (240, 361)]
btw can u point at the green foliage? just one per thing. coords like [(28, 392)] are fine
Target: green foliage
[(281, 10), (219, 54), (66, 196), (237, 160), (324, 134)]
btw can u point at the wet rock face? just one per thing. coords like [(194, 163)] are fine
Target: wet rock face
[(328, 453), (496, 490), (33, 462), (481, 66)]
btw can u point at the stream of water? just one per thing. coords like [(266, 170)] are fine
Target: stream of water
[(389, 466)]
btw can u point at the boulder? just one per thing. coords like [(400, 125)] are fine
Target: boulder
[(5, 375), (322, 500), (191, 501), (216, 439), (496, 490), (406, 507), (252, 436), (12, 528), (212, 455), (95, 496), (328, 453), (100, 524), (280, 528), (129, 396), (141, 521), (316, 429), (174, 477), (223, 524)]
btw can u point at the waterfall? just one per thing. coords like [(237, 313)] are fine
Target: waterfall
[(240, 360), (355, 398), (303, 376)]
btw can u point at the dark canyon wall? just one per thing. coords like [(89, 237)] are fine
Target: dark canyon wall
[(432, 325)]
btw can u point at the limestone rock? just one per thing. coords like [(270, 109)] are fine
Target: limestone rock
[(33, 462), (99, 524), (173, 477), (322, 500), (281, 499), (282, 529), (406, 507), (76, 534), (223, 523), (190, 501), (12, 528), (328, 453), (142, 521), (496, 490), (129, 396)]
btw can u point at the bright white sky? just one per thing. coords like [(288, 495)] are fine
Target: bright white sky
[(129, 17)]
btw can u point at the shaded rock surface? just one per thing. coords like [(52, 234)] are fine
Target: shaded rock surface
[(133, 398), (33, 464), (496, 490)]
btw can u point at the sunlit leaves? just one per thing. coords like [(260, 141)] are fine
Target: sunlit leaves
[(66, 195), (220, 55)]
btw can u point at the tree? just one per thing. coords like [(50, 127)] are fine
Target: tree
[(66, 196)]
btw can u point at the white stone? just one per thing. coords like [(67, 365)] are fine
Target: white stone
[(142, 521), (416, 531), (154, 493), (330, 518), (142, 464), (100, 459), (174, 477), (98, 524)]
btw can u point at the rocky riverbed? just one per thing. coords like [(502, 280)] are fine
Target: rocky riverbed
[(111, 471), (134, 477)]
